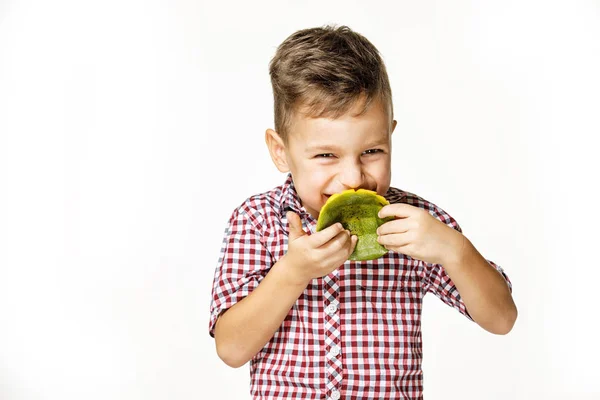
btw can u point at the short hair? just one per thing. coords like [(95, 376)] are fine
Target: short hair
[(324, 72)]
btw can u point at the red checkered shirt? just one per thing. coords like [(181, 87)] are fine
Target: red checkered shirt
[(353, 334)]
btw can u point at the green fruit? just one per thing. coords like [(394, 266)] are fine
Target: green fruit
[(357, 212)]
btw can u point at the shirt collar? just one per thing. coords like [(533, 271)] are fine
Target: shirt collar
[(291, 202)]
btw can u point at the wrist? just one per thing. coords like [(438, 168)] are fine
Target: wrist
[(290, 272)]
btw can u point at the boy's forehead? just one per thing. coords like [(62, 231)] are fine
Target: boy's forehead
[(304, 127)]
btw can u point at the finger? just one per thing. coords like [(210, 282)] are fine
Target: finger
[(337, 243), (396, 226), (399, 210), (354, 240), (295, 226), (337, 250), (394, 240), (340, 257), (318, 239)]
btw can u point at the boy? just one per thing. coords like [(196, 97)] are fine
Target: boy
[(313, 324)]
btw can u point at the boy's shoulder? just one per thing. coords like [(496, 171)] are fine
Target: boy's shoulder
[(271, 203), (395, 196)]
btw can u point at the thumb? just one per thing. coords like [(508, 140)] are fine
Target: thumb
[(295, 226)]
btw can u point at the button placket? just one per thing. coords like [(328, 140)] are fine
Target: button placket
[(333, 361)]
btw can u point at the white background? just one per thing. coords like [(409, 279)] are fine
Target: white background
[(129, 130)]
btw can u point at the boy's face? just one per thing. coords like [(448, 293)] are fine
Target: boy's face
[(327, 156)]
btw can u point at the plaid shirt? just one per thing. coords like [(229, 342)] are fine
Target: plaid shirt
[(353, 334)]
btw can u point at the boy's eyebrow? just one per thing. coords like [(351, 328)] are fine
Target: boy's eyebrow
[(378, 142), (332, 148), (323, 147)]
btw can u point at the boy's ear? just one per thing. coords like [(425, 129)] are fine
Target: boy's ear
[(394, 123), (277, 150)]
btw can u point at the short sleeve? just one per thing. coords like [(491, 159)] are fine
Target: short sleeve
[(243, 263), (439, 283), (437, 280)]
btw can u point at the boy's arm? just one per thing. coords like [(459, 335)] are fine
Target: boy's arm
[(244, 329), (482, 288), (484, 291)]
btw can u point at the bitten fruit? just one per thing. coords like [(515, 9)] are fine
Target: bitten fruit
[(357, 212)]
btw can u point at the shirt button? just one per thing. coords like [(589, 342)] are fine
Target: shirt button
[(335, 395), (335, 351), (330, 309)]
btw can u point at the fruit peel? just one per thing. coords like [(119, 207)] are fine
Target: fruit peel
[(357, 211)]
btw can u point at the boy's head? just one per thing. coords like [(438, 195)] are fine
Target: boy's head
[(333, 114)]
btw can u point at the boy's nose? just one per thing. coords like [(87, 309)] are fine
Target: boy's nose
[(351, 176)]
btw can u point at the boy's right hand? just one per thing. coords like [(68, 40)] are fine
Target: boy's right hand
[(316, 255)]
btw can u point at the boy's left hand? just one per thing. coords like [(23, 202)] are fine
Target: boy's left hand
[(419, 235)]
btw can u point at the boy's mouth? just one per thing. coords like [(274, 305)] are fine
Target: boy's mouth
[(329, 195)]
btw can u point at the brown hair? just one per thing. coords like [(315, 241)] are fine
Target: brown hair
[(324, 72)]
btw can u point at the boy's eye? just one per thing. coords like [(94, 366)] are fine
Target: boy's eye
[(372, 151), (324, 155)]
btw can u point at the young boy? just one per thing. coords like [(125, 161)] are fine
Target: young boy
[(313, 324)]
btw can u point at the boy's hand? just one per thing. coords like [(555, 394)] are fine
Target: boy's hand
[(316, 255), (419, 235)]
